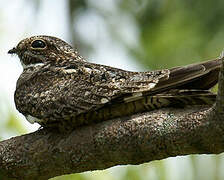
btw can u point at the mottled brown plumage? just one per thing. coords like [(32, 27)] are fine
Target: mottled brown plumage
[(58, 88)]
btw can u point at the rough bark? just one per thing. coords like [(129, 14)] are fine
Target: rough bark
[(129, 140)]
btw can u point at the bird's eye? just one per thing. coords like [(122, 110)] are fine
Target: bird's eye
[(38, 44)]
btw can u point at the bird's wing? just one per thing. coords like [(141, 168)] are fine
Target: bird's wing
[(173, 98), (201, 76), (101, 85)]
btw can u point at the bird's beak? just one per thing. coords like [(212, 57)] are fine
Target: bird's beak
[(12, 51)]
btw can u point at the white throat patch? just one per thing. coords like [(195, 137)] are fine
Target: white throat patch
[(31, 65)]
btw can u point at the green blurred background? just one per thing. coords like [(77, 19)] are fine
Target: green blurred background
[(130, 34)]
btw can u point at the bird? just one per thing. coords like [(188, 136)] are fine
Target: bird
[(59, 89)]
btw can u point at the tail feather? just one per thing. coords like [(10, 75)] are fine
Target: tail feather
[(196, 76)]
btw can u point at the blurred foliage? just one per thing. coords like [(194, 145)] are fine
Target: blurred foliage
[(172, 32), (177, 32), (14, 124), (10, 124)]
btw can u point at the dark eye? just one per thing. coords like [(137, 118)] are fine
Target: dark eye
[(38, 44)]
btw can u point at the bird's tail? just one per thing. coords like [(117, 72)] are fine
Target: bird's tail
[(201, 76)]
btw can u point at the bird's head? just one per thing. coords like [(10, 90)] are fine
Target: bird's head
[(42, 49)]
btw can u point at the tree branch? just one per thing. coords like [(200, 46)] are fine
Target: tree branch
[(129, 140)]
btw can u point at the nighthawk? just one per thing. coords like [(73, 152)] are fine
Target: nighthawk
[(59, 88)]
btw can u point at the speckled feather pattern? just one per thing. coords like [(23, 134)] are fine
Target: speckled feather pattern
[(62, 89), (77, 87)]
